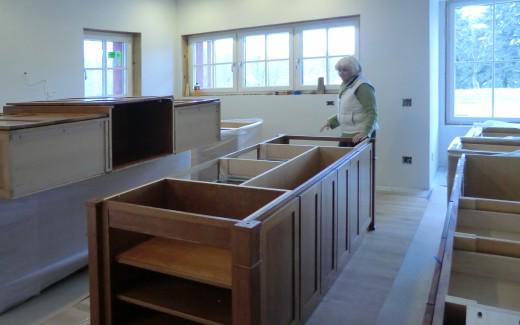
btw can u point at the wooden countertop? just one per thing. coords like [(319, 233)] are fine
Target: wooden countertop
[(30, 120), (103, 101)]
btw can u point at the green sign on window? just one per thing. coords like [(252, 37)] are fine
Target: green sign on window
[(115, 55)]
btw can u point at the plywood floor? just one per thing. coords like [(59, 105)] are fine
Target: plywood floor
[(360, 290)]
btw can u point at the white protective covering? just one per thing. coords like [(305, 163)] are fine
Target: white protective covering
[(43, 237)]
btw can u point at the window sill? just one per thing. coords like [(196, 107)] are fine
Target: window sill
[(267, 93)]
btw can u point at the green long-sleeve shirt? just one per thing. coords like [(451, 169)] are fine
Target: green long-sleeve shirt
[(365, 94)]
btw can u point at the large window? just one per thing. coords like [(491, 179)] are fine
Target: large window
[(285, 57), (483, 63), (107, 62)]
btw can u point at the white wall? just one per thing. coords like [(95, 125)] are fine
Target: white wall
[(434, 86), (394, 37), (45, 39)]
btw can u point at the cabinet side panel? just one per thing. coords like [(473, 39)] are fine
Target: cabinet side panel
[(4, 165), (279, 268)]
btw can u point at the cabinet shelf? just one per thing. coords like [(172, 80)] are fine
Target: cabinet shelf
[(186, 260), (182, 298), (136, 315)]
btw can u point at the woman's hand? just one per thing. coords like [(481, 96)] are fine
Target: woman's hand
[(358, 137), (326, 126)]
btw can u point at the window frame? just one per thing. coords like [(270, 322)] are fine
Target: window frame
[(450, 117), (300, 28), (212, 37), (241, 59), (89, 35), (295, 54)]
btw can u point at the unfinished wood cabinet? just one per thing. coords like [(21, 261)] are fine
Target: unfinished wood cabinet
[(258, 251), (46, 144), (477, 146), (478, 281), (168, 235)]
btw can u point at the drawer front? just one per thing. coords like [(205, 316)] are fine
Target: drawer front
[(47, 157), (196, 126)]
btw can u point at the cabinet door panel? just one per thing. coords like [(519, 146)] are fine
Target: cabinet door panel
[(365, 190), (343, 215), (196, 126), (354, 230), (310, 205), (279, 242), (328, 230)]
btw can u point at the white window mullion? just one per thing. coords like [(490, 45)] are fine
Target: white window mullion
[(493, 65), (104, 74)]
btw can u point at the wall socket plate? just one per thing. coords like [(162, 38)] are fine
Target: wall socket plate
[(407, 160)]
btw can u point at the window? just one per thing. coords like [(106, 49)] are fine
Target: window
[(483, 63), (285, 57), (321, 48), (107, 62)]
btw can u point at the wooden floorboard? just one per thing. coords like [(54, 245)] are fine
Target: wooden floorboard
[(361, 289)]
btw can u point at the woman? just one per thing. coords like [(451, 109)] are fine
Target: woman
[(357, 109)]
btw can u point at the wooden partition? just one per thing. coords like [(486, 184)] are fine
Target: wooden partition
[(477, 145), (237, 171), (262, 252), (492, 177)]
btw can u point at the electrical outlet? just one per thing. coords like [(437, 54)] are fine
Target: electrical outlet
[(330, 103), (407, 160), (407, 102)]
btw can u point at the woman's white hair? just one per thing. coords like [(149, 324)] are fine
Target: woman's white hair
[(351, 63)]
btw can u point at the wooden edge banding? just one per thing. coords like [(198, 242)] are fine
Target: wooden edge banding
[(434, 313), (69, 109), (246, 295), (490, 141), (486, 245), (95, 259), (489, 205)]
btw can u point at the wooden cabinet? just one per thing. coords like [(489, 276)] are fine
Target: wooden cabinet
[(365, 192), (310, 249), (36, 156), (196, 123), (329, 230), (280, 272), (344, 214), (489, 144), (355, 230), (477, 282), (261, 251), (47, 144)]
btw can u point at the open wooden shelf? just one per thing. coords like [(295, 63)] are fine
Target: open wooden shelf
[(486, 290), (136, 315), (186, 260), (489, 279), (182, 298)]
